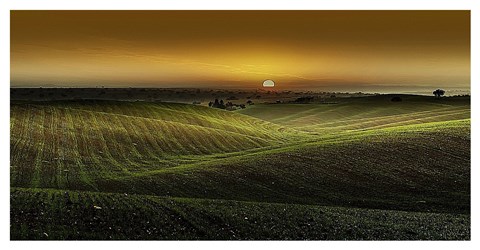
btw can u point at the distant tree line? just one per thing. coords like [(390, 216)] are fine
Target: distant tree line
[(304, 99), (217, 104), (220, 104)]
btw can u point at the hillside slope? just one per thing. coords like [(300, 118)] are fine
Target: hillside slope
[(70, 144), (362, 113), (198, 172), (416, 167)]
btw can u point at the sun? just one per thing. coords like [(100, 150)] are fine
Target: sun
[(268, 83)]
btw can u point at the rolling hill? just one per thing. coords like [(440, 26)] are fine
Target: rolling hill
[(100, 139), (199, 172)]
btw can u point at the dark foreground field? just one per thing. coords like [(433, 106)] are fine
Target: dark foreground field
[(358, 168)]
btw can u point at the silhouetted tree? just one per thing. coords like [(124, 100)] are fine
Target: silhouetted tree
[(210, 104), (216, 104), (305, 99), (438, 93), (229, 106), (222, 104)]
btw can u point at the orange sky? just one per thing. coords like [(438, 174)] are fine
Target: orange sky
[(297, 49)]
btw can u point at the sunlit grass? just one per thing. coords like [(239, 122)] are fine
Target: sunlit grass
[(365, 153)]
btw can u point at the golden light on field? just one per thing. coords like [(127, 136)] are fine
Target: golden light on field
[(240, 48)]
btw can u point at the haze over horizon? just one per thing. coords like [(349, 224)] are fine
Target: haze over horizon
[(401, 50)]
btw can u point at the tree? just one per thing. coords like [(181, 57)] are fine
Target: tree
[(438, 93), (216, 104), (304, 99), (222, 104), (229, 106)]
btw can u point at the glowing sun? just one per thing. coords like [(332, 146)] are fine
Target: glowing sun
[(268, 83)]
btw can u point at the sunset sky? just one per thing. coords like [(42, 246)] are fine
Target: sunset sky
[(240, 49)]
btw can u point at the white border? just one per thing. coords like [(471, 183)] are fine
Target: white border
[(7, 5), (242, 5)]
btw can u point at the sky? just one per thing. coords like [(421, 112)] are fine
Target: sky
[(241, 49)]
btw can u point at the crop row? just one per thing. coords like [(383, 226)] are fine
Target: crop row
[(66, 147), (58, 214)]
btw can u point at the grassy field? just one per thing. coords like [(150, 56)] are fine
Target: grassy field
[(356, 168)]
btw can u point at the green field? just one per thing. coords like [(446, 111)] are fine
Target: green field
[(356, 168)]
